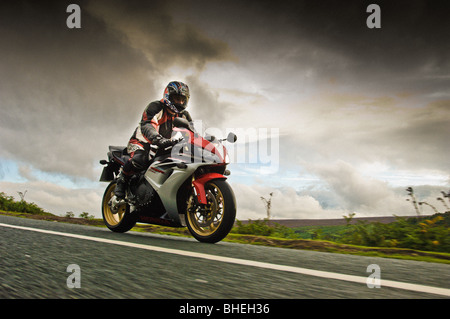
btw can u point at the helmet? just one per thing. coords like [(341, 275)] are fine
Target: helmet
[(173, 90)]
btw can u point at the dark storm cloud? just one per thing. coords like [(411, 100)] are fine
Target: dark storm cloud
[(149, 27), (330, 40), (358, 129), (408, 50), (61, 88), (420, 141), (371, 94), (66, 94), (206, 105)]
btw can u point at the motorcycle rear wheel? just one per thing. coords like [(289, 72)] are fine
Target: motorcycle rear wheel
[(212, 222), (120, 222)]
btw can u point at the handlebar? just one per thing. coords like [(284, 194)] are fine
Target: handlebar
[(173, 143)]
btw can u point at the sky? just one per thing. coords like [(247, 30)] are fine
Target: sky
[(332, 117)]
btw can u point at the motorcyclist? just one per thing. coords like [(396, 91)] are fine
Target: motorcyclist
[(154, 129)]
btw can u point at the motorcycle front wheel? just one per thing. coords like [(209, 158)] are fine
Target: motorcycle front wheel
[(212, 222), (120, 222)]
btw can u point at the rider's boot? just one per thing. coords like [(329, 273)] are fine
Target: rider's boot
[(121, 186)]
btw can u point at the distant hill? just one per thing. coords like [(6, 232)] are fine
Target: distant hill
[(331, 222)]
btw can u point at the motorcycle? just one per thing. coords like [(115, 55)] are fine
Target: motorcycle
[(183, 186)]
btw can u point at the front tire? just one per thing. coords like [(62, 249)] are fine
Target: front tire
[(120, 222), (212, 222)]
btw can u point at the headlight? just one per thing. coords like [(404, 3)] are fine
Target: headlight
[(210, 157), (177, 136), (223, 153), (227, 159)]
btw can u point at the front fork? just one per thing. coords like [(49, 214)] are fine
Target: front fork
[(199, 186)]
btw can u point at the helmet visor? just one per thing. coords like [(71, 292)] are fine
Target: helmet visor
[(178, 99)]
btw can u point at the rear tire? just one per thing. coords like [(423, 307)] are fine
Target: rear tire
[(120, 222), (213, 222)]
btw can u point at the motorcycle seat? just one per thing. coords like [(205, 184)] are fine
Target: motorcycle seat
[(121, 149), (120, 153)]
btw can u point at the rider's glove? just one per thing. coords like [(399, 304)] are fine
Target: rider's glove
[(161, 141)]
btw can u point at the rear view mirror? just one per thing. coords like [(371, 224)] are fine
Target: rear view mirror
[(231, 137)]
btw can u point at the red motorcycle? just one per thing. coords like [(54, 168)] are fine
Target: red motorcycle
[(184, 186)]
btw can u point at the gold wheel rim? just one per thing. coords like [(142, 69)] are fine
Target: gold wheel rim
[(205, 221), (112, 219)]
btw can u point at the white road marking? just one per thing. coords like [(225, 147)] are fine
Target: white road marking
[(298, 270)]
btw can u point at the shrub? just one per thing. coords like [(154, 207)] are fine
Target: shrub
[(86, 215), (432, 233), (263, 228), (7, 203)]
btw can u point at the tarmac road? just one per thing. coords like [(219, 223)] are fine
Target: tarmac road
[(34, 262)]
